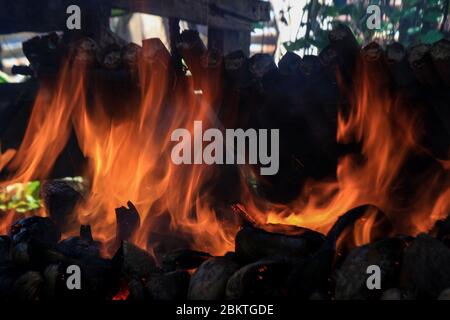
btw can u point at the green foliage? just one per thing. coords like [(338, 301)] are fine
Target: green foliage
[(412, 22), (21, 197), (3, 78)]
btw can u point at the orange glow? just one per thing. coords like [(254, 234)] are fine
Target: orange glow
[(389, 132), (127, 146)]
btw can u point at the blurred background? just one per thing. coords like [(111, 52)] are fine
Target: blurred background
[(294, 25)]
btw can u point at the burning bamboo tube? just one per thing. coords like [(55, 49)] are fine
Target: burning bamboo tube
[(420, 60), (397, 62), (440, 54), (290, 64), (192, 49), (131, 55), (373, 57), (342, 39), (155, 54), (85, 51), (237, 69)]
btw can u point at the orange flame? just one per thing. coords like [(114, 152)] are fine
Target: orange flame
[(128, 152), (389, 132)]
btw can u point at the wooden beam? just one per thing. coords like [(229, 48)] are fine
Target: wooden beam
[(221, 14), (45, 16), (229, 40)]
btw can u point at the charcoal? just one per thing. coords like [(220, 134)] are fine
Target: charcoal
[(134, 262), (5, 249), (36, 229), (392, 294), (128, 222), (440, 54), (318, 296), (312, 275), (78, 248), (9, 273), (28, 286), (441, 230), (254, 243), (52, 276), (20, 254), (444, 295), (210, 280), (426, 267), (136, 290), (261, 279), (60, 199), (168, 286), (352, 276), (290, 64), (183, 259)]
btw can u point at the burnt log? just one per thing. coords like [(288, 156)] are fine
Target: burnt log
[(168, 286), (210, 280), (253, 243), (426, 267), (261, 279)]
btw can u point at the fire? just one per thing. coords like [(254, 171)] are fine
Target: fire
[(126, 141), (390, 132)]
